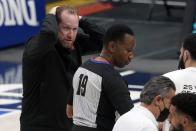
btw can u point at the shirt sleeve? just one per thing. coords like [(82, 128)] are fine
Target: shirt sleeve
[(45, 40), (70, 97), (92, 38), (118, 93), (122, 125)]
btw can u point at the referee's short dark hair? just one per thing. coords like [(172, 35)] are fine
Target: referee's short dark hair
[(190, 45), (185, 103), (116, 33)]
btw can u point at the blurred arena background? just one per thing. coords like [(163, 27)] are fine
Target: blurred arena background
[(159, 25)]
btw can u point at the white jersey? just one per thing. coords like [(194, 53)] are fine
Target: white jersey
[(184, 80), (137, 119)]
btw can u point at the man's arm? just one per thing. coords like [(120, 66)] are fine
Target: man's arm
[(118, 93), (92, 40), (44, 40), (69, 108), (69, 111)]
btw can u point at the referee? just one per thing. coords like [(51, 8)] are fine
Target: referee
[(99, 90)]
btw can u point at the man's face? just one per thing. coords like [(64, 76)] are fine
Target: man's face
[(164, 106), (124, 51), (68, 28), (175, 119)]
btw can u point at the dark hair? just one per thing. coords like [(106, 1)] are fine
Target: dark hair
[(60, 9), (190, 45), (116, 33), (158, 85), (185, 103)]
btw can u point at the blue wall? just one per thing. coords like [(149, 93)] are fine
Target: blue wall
[(19, 19)]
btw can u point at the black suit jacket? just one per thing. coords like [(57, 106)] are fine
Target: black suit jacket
[(47, 75)]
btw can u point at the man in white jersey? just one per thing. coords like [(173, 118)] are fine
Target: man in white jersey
[(185, 78), (155, 101)]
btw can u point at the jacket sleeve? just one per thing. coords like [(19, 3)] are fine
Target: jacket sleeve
[(92, 38), (118, 93), (44, 41), (70, 97)]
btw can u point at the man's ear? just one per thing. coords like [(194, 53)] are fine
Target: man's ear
[(185, 121), (111, 46), (157, 100), (187, 55)]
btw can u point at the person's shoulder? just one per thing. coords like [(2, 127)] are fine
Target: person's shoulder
[(172, 73), (100, 68), (128, 120), (32, 41), (124, 122), (113, 75), (105, 68), (178, 73), (132, 114), (147, 124)]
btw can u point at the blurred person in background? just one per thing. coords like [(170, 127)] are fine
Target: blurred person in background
[(99, 89), (155, 102), (50, 60), (182, 112)]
